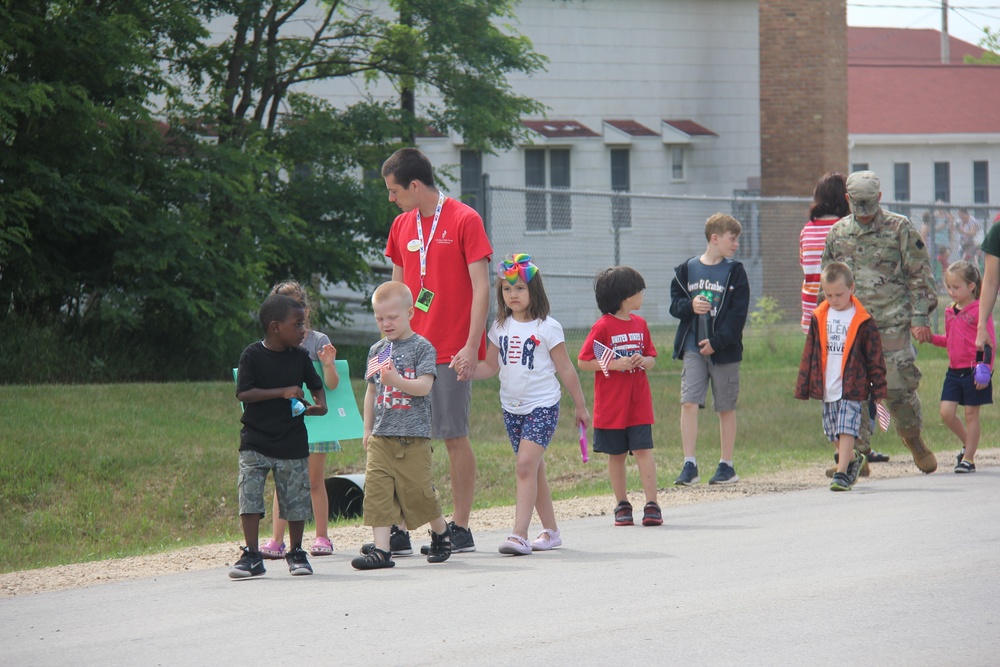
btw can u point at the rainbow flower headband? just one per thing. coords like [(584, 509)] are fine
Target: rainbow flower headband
[(517, 265)]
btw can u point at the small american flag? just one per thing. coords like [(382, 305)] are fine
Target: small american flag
[(883, 416), (379, 361), (605, 355)]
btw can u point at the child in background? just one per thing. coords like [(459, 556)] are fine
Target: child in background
[(828, 206), (710, 295), (399, 482), (961, 320), (272, 371), (528, 349), (319, 348), (623, 404), (842, 365)]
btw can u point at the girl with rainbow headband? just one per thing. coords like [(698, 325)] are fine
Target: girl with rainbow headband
[(528, 349)]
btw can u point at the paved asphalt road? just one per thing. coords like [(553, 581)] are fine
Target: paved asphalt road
[(897, 572)]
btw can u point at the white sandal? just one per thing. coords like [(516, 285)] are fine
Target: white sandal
[(515, 545), (547, 540)]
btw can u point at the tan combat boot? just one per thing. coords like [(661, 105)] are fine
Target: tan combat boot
[(923, 457)]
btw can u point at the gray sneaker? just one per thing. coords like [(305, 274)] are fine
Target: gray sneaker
[(724, 474), (840, 482), (688, 476), (854, 467)]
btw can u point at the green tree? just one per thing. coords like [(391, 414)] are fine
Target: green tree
[(990, 42), (80, 151), (132, 234)]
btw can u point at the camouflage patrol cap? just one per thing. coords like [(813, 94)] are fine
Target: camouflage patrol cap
[(863, 188)]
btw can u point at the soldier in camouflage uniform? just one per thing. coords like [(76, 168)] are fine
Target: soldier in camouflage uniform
[(893, 281)]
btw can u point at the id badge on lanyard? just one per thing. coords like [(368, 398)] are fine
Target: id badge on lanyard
[(425, 296)]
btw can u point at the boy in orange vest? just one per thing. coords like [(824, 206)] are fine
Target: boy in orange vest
[(842, 365)]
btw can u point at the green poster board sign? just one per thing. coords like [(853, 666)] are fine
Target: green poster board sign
[(342, 420)]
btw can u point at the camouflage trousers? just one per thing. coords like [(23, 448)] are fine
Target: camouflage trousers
[(291, 483), (903, 378)]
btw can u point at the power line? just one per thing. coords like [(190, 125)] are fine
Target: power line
[(938, 6), (973, 11)]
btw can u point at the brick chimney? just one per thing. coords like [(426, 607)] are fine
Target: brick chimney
[(803, 93), (803, 125)]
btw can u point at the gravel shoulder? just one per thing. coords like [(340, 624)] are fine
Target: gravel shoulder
[(348, 539)]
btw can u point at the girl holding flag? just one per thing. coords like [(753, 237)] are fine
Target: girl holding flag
[(528, 349), (619, 349)]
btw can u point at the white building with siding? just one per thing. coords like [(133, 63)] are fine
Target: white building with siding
[(643, 95)]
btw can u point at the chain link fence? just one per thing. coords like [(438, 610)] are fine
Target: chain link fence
[(571, 235)]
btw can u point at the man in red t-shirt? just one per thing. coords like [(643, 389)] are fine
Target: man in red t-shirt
[(439, 248)]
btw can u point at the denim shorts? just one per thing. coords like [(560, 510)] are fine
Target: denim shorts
[(960, 387), (291, 482), (538, 426), (841, 416)]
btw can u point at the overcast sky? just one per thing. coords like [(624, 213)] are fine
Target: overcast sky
[(966, 18)]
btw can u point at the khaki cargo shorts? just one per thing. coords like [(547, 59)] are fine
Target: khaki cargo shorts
[(398, 482)]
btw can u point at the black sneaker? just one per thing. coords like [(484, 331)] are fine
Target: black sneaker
[(298, 563), (440, 547), (373, 560), (651, 515), (688, 476), (461, 540), (840, 482), (965, 466), (961, 455), (854, 467), (724, 474), (250, 564), (399, 543), (623, 514)]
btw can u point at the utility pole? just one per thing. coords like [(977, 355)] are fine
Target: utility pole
[(945, 40)]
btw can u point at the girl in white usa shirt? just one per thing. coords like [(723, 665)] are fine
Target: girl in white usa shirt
[(528, 349)]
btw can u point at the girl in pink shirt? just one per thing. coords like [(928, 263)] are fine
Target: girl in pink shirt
[(961, 319)]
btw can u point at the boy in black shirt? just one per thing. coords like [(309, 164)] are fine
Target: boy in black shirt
[(271, 373)]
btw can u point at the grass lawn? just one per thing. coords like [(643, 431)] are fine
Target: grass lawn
[(97, 471)]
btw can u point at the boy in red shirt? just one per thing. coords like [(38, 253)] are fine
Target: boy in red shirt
[(623, 404)]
